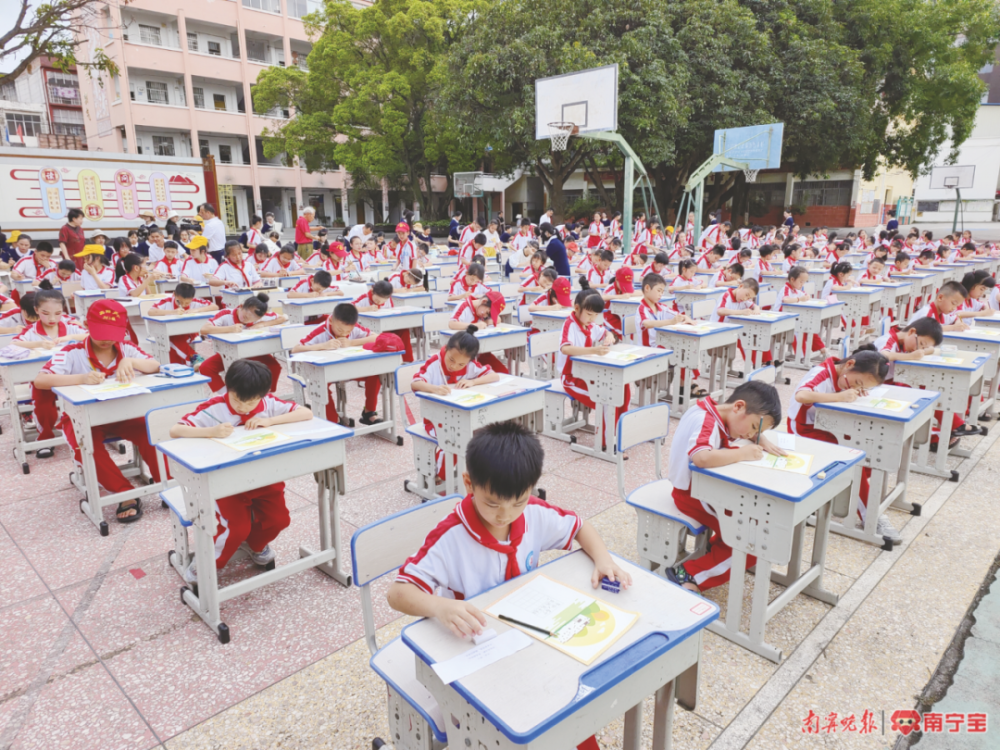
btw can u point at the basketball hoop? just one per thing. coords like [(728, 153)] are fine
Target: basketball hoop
[(560, 132), (750, 174)]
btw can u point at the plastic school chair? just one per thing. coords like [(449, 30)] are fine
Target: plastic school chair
[(291, 336), (647, 424), (424, 444), (702, 309), (415, 719), (555, 425), (434, 323), (763, 374)]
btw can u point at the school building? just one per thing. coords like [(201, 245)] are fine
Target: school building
[(187, 70)]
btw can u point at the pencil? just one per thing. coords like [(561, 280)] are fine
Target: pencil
[(759, 428), (525, 625)]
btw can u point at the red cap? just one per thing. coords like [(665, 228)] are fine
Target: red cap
[(386, 342), (107, 320), (337, 248), (403, 227), (624, 278), (562, 287), (497, 304)]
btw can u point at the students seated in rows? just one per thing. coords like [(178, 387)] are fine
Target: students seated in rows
[(728, 276), (660, 265), (407, 279), (233, 272), (341, 330), (378, 298), (495, 534), (711, 257), (317, 284), (792, 292), (704, 438), (651, 313), (170, 264), (331, 259), (252, 314), (96, 274), (18, 318), (182, 302), (455, 366), (59, 273), (980, 286), (481, 313), (469, 284), (685, 279), (105, 353), (251, 519), (282, 264), (136, 281), (539, 293), (35, 265), (621, 287), (944, 308), (200, 267)]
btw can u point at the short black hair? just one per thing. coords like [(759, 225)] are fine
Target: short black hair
[(247, 379), (131, 261), (751, 284), (738, 269), (717, 249), (184, 290), (382, 288), (323, 278), (607, 256), (925, 327), (477, 270), (66, 265), (795, 271), (257, 304), (662, 258), (761, 399), (48, 295), (230, 245), (74, 213), (953, 288), (652, 279), (479, 239), (504, 458), (465, 341), (346, 313), (43, 247)]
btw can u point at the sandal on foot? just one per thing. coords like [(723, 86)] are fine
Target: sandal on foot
[(128, 505), (45, 452), (966, 430), (698, 392)]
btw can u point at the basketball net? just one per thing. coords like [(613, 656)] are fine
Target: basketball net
[(750, 174), (560, 132)]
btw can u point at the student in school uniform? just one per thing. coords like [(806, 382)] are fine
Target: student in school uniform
[(378, 297), (470, 249), (468, 233), (708, 259), (331, 260), (583, 333), (59, 273), (253, 519), (766, 253), (481, 312), (555, 293), (406, 252), (714, 234), (105, 353), (704, 438), (314, 285), (600, 273), (234, 272), (136, 282), (792, 291), (252, 314), (728, 276), (622, 287), (95, 274), (944, 308), (901, 265), (979, 285), (841, 381), (259, 258), (685, 279), (470, 284), (199, 267), (169, 264), (15, 320), (660, 265), (341, 329), (407, 278), (32, 266), (652, 313), (741, 300), (181, 302), (282, 264), (589, 259)]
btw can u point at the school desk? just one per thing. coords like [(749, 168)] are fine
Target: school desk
[(84, 298), (208, 470), (432, 272), (414, 298), (233, 298), (816, 316), (990, 321), (762, 512), (860, 303), (455, 423), (956, 382), (606, 379), (85, 411), (323, 368), (690, 344), (983, 340), (685, 298), (887, 438), (299, 308), (167, 285), (540, 698), (23, 286), (776, 280), (287, 282), (766, 332), (512, 340), (625, 309), (922, 286), (818, 277), (162, 327), (17, 375), (953, 271), (550, 320), (247, 343), (895, 296)]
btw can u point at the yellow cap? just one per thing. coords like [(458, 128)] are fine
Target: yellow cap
[(670, 229), (90, 250), (14, 235), (197, 241)]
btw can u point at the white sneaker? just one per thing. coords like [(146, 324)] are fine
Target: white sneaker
[(261, 558), (885, 528), (191, 573)]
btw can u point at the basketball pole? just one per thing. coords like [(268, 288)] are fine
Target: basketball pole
[(954, 220), (694, 190)]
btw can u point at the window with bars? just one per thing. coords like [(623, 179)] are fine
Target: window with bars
[(199, 97), (214, 48), (163, 145), (149, 35), (203, 147), (225, 154), (823, 193), (257, 50), (31, 125), (156, 93), (192, 41)]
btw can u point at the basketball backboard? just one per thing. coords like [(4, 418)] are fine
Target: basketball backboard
[(759, 146), (468, 184), (950, 178), (587, 98)]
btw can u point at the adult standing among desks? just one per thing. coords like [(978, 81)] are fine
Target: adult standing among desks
[(555, 249), (454, 231), (364, 231), (303, 233), (71, 237), (268, 224), (214, 231)]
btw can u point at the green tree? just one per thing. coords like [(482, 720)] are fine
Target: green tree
[(369, 99)]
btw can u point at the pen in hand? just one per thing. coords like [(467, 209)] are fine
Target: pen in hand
[(759, 428)]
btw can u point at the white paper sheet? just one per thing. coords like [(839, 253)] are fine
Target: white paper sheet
[(505, 644), (110, 389), (784, 440)]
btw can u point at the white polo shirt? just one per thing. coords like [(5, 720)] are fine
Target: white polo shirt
[(196, 271), (701, 428), (322, 333), (728, 302), (243, 277), (820, 379), (218, 411)]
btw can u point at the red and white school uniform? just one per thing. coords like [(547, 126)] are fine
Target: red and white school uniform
[(679, 282), (12, 318), (362, 261), (318, 260), (466, 236), (214, 368), (78, 358), (52, 276), (30, 268), (460, 558), (198, 271), (106, 274), (373, 384), (435, 372), (931, 311), (641, 242), (787, 291), (648, 269), (256, 516), (594, 237), (181, 349), (616, 229), (368, 300), (597, 278), (713, 235), (728, 301), (704, 262), (274, 265), (460, 286), (466, 313), (242, 276), (45, 413), (305, 286), (576, 334), (701, 428), (126, 284), (466, 253), (613, 322), (169, 267), (644, 312), (398, 281), (585, 265), (405, 254)]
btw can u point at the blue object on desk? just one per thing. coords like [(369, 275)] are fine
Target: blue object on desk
[(614, 587)]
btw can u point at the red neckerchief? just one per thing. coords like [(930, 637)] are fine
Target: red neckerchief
[(893, 339), (284, 266), (244, 418), (708, 405), (92, 356), (40, 329), (169, 264), (38, 269), (932, 312), (830, 365), (240, 269), (764, 266), (470, 520), (451, 376)]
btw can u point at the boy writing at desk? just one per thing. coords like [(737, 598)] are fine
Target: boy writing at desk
[(496, 533), (252, 519)]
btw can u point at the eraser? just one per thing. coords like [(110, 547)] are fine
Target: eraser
[(487, 635), (613, 586), (821, 475)]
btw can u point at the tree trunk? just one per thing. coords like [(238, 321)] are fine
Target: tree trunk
[(595, 177)]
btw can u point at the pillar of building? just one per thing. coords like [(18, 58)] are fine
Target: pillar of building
[(188, 85)]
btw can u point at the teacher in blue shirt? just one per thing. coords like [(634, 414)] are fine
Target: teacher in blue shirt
[(555, 249)]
